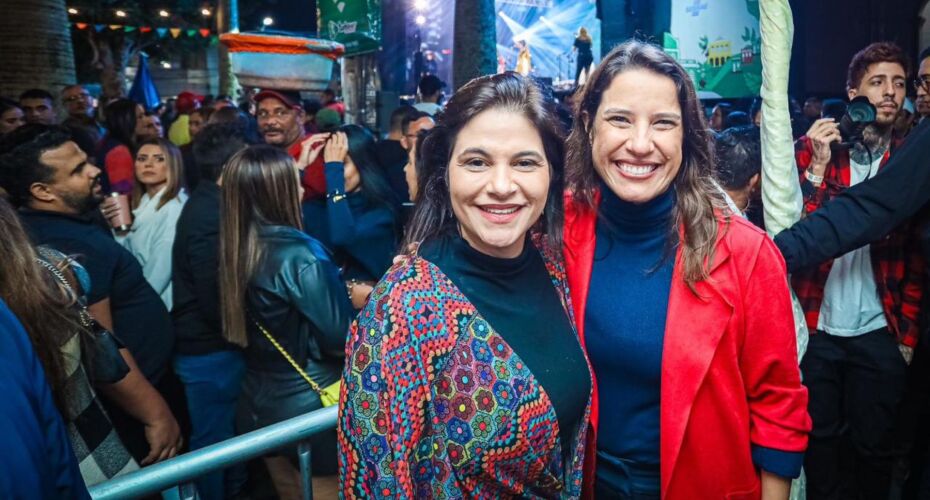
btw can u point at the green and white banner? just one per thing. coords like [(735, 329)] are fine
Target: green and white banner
[(353, 23), (718, 42)]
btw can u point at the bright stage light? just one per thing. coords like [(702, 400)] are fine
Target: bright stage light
[(205, 12), (166, 64), (163, 13), (420, 20), (268, 21), (72, 11), (120, 13), (420, 4)]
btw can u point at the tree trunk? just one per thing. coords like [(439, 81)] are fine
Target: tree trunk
[(474, 50), (114, 52), (227, 21), (35, 46)]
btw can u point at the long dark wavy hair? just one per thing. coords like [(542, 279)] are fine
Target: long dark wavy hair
[(697, 196), (509, 91), (260, 187), (121, 122), (376, 188)]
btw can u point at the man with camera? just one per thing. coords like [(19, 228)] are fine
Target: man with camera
[(862, 307)]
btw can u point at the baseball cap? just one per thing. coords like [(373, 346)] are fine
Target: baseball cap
[(187, 102), (288, 97)]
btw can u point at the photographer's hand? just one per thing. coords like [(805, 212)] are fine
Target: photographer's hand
[(822, 133)]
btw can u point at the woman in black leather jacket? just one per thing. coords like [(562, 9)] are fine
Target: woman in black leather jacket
[(275, 277)]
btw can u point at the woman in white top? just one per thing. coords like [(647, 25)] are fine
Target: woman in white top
[(157, 199)]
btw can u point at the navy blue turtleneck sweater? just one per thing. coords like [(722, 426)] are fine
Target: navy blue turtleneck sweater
[(625, 321), (625, 331)]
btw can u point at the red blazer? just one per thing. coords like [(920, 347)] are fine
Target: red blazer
[(730, 376)]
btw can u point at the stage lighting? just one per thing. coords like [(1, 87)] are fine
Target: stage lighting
[(205, 12), (120, 13), (420, 4), (72, 11), (166, 64), (268, 21), (163, 13), (420, 20)]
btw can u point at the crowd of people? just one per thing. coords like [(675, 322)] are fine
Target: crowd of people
[(506, 295)]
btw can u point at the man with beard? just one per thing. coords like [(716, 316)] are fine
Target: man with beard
[(280, 117), (861, 308), (57, 190)]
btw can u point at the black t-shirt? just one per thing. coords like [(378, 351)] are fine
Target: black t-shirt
[(140, 318), (584, 49), (517, 298)]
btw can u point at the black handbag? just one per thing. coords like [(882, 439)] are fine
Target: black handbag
[(100, 348)]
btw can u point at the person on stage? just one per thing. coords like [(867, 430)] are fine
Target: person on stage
[(585, 56), (524, 60)]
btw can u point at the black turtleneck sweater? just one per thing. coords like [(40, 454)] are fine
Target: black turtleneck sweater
[(625, 322), (517, 298)]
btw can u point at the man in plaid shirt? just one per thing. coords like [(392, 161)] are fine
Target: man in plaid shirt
[(862, 307)]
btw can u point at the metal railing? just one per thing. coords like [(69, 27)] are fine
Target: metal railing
[(182, 470)]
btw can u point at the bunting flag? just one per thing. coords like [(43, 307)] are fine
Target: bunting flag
[(161, 32)]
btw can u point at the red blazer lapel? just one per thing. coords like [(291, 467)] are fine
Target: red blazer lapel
[(694, 326), (580, 224)]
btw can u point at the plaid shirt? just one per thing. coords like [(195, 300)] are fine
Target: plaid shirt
[(896, 258)]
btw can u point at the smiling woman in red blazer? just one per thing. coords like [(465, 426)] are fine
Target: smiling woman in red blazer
[(683, 307)]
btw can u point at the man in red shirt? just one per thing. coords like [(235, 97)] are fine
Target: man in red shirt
[(280, 118)]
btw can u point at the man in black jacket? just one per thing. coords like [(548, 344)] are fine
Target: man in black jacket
[(210, 368), (865, 212)]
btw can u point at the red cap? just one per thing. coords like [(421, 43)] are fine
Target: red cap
[(288, 97), (187, 102)]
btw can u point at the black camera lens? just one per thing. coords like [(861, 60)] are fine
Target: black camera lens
[(859, 114)]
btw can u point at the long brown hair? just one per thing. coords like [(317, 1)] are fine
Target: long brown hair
[(42, 307), (175, 172), (510, 91), (697, 195), (260, 187)]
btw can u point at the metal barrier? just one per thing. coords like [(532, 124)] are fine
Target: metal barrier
[(182, 470)]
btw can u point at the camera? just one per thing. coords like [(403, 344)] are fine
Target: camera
[(860, 113)]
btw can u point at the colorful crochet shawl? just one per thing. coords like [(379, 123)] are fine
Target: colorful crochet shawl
[(435, 404)]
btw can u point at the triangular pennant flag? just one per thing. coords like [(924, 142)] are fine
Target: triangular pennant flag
[(175, 32), (129, 29), (80, 26), (145, 29), (161, 32), (99, 27), (204, 32), (191, 33), (115, 26)]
